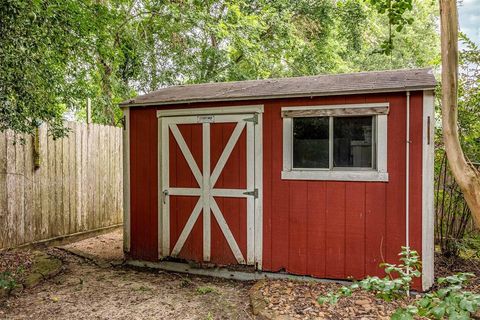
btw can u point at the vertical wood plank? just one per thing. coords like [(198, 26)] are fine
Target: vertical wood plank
[(335, 230), (120, 176), (97, 187), (3, 189), (74, 221), (115, 170), (104, 165), (65, 177), (99, 178), (45, 187), (375, 237), (11, 191), (58, 204), (50, 181), (78, 175), (297, 253), (91, 177), (37, 192), (355, 230), (84, 168), (280, 193), (316, 206), (29, 207), (20, 188)]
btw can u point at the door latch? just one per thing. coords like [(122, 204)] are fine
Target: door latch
[(165, 194), (253, 193)]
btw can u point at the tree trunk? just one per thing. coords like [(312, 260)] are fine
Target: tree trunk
[(467, 176)]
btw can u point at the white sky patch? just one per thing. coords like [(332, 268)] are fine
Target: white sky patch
[(469, 16)]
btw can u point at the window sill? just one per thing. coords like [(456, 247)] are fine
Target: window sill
[(336, 175)]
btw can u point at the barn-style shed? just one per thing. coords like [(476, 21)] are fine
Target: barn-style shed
[(325, 176)]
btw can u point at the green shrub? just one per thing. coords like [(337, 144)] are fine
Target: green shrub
[(395, 284), (448, 301)]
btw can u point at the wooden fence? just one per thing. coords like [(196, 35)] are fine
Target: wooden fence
[(77, 186)]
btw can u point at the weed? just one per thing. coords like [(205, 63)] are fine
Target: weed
[(389, 287), (447, 302), (209, 316), (7, 281), (186, 283), (205, 290)]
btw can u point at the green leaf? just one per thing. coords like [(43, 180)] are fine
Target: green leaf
[(401, 314)]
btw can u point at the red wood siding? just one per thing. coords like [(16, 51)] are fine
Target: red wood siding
[(320, 228), (143, 184)]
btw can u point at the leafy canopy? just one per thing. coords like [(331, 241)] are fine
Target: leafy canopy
[(56, 53)]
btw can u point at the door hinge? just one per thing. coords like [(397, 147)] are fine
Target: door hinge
[(253, 119), (253, 193)]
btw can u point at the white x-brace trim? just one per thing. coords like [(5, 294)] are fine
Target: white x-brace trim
[(206, 191)]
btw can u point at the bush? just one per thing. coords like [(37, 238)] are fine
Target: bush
[(394, 285), (448, 301)]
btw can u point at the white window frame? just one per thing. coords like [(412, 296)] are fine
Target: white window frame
[(378, 173)]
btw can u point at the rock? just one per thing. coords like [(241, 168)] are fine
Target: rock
[(43, 267), (362, 302)]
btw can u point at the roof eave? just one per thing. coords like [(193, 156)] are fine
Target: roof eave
[(127, 104)]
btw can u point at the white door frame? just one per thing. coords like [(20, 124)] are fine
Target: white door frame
[(167, 120)]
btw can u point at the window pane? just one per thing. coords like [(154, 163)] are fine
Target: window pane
[(310, 142), (352, 142)]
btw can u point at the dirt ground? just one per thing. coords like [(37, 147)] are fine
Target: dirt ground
[(95, 284), (88, 290)]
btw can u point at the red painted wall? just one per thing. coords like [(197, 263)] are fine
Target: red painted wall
[(143, 184), (324, 229)]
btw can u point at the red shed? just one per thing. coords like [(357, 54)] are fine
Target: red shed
[(325, 176)]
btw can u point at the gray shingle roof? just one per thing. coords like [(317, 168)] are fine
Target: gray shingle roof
[(309, 86)]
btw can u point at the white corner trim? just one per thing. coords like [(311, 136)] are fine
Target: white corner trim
[(427, 190), (259, 185), (339, 106), (332, 175), (126, 180), (159, 190), (213, 110)]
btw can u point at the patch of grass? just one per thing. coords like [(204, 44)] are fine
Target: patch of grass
[(209, 316), (205, 290)]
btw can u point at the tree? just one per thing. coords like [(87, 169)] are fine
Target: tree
[(56, 53), (466, 175)]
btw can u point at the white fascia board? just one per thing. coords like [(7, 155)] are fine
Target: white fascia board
[(211, 110)]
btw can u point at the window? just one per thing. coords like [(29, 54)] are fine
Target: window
[(346, 142)]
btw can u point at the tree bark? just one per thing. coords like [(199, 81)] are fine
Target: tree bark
[(466, 175)]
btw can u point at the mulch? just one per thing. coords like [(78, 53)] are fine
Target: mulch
[(286, 299), (448, 266), (16, 263), (298, 300)]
